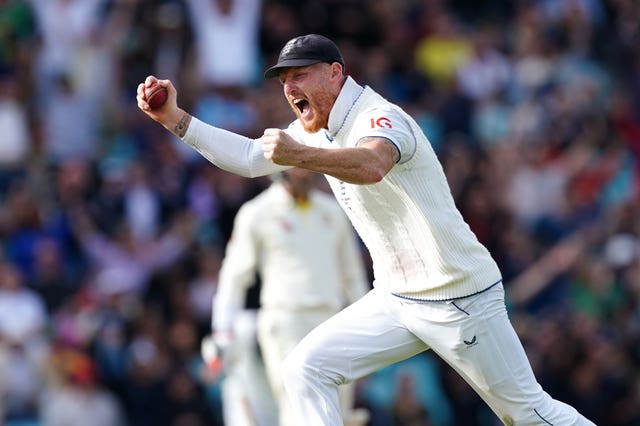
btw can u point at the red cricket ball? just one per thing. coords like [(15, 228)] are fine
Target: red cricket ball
[(156, 95)]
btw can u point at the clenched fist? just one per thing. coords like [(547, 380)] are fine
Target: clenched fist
[(280, 148)]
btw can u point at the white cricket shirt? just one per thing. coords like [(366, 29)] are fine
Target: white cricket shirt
[(420, 245), (307, 257)]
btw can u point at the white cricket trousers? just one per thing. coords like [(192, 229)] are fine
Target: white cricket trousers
[(473, 335), (279, 331)]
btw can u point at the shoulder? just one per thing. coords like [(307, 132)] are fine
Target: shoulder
[(383, 115), (252, 207), (388, 121), (270, 196)]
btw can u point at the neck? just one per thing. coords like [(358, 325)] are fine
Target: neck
[(299, 195)]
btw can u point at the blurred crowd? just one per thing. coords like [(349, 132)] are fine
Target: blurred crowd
[(112, 230)]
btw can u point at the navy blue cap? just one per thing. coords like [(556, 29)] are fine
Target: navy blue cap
[(306, 50)]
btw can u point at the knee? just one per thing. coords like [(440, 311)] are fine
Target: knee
[(302, 369), (297, 369)]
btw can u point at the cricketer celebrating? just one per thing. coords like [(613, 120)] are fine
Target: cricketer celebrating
[(435, 286)]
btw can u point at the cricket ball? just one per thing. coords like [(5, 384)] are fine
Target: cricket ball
[(156, 95)]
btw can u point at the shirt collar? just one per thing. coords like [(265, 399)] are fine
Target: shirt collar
[(348, 95)]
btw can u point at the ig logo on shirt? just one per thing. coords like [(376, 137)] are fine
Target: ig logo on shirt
[(381, 123)]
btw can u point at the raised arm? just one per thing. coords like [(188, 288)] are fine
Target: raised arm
[(229, 151)]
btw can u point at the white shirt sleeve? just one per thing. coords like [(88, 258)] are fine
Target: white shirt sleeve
[(386, 122), (230, 151), (237, 272)]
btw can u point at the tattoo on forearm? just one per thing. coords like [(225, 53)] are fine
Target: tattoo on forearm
[(183, 125)]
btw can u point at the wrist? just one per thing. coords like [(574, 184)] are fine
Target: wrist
[(179, 122)]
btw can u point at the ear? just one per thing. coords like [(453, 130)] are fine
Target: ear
[(336, 70)]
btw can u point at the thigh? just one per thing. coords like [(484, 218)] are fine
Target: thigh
[(280, 331), (361, 339), (483, 347)]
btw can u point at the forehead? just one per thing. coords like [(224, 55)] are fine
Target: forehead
[(308, 69)]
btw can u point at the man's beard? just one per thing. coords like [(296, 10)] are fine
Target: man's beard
[(321, 109)]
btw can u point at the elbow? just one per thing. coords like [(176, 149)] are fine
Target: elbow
[(368, 176), (378, 168), (377, 175)]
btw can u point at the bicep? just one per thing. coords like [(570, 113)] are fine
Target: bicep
[(384, 152)]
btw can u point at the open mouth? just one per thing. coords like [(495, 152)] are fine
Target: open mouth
[(302, 105)]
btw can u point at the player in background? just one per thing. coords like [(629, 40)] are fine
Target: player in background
[(246, 395), (435, 285), (298, 241)]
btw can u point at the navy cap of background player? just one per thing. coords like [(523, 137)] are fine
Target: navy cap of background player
[(305, 50)]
